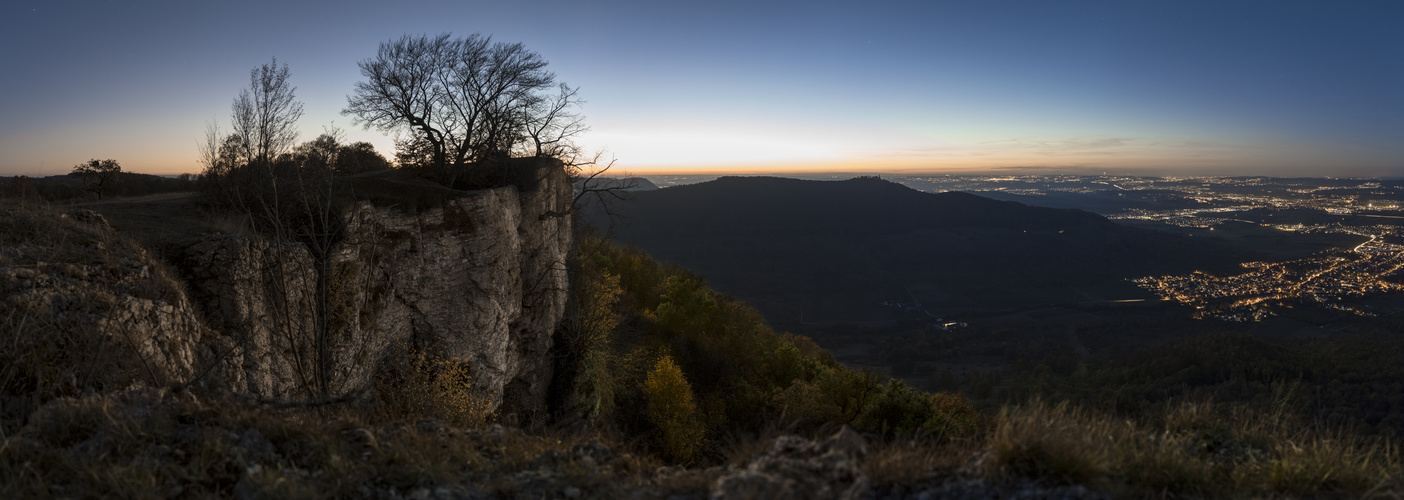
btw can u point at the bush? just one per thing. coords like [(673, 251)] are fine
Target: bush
[(414, 383), (594, 389), (688, 306), (900, 408), (672, 410)]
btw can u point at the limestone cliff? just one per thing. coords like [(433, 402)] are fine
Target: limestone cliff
[(478, 274)]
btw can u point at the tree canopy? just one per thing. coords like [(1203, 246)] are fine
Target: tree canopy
[(464, 100)]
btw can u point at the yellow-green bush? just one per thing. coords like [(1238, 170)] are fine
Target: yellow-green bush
[(414, 383), (806, 401), (594, 387), (672, 410), (899, 408), (951, 414), (687, 305), (787, 363)]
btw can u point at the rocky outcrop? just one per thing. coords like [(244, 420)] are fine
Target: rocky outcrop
[(260, 299), (797, 468), (479, 275), (83, 309)]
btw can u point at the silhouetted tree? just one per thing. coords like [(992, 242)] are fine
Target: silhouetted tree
[(289, 193), (469, 99), (98, 175), (551, 123), (265, 115), (321, 153), (21, 187), (414, 152)]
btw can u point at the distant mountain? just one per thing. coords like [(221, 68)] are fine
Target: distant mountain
[(624, 183), (834, 251)]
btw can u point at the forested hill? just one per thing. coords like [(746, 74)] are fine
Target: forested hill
[(833, 251)]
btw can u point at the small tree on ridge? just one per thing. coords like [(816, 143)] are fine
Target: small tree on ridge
[(98, 175)]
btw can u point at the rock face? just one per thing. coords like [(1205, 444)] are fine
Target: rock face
[(480, 276), (260, 298)]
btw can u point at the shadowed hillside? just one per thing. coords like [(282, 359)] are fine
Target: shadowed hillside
[(827, 252)]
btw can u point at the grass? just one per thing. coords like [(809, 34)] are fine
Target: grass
[(912, 461), (1195, 449)]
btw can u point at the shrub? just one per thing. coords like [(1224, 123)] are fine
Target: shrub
[(415, 383), (688, 306), (787, 363), (594, 387), (806, 401), (951, 415), (672, 410)]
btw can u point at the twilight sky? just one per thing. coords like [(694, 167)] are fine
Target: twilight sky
[(1165, 88)]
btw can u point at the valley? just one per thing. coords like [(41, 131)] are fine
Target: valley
[(1078, 269)]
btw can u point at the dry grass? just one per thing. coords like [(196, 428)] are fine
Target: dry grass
[(1057, 443), (913, 461), (1195, 450)]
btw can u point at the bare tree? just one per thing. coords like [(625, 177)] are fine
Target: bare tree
[(469, 99), (265, 115), (209, 147), (550, 123), (289, 194), (98, 175)]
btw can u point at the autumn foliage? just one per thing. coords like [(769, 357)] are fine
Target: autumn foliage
[(656, 352), (672, 410)]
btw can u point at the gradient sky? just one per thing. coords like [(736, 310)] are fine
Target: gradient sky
[(1176, 87)]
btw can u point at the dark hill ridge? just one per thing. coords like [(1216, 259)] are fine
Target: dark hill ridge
[(864, 205), (833, 251)]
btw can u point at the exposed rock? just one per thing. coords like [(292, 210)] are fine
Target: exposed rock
[(90, 217), (88, 310), (797, 468), (259, 297), (984, 489)]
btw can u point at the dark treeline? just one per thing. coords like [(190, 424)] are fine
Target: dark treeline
[(69, 187)]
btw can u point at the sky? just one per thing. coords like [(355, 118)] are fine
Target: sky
[(1140, 87)]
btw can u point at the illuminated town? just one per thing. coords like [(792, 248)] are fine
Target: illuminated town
[(1356, 210)]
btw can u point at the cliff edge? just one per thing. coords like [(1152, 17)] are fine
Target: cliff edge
[(478, 275)]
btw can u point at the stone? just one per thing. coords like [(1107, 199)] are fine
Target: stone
[(797, 468)]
